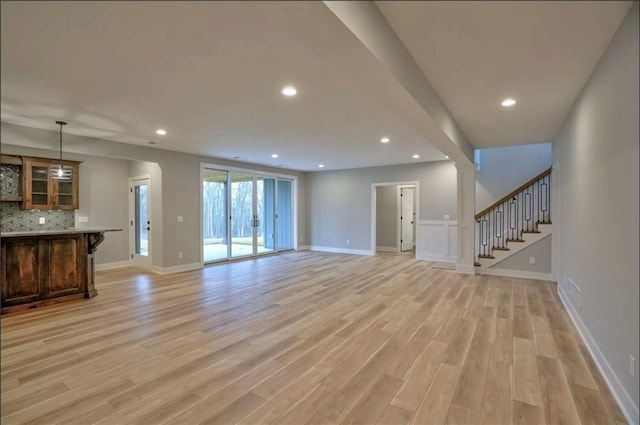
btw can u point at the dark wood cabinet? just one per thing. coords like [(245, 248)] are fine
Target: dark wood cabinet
[(66, 270), (42, 192), (21, 272), (39, 268)]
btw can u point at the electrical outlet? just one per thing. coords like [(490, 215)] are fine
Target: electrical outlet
[(41, 220), (180, 255), (532, 260), (632, 366), (180, 219), (82, 219), (447, 217), (348, 242)]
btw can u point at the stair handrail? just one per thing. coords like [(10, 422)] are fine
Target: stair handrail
[(513, 193)]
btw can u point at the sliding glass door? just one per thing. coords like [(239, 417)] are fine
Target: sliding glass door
[(214, 212), (252, 212), (242, 215), (285, 215), (266, 214)]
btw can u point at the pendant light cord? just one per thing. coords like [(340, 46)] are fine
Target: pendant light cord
[(61, 123)]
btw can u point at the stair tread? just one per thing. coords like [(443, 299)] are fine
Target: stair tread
[(486, 256), (515, 240), (498, 248), (531, 231), (544, 222), (477, 264)]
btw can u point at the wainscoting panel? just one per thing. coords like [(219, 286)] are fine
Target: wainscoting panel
[(436, 240)]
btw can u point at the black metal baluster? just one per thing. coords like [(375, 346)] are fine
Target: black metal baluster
[(549, 196), (478, 237), (546, 217), (521, 221), (502, 229)]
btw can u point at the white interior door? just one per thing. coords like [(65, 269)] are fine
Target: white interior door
[(407, 218), (140, 221)]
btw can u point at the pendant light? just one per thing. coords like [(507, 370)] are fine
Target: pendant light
[(60, 171)]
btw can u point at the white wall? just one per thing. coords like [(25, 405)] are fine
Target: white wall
[(521, 261), (387, 217), (596, 151), (503, 169), (339, 202), (437, 240)]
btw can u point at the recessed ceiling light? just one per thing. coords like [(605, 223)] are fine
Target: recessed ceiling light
[(320, 165), (446, 156), (274, 155), (289, 91), (508, 102), (161, 132), (384, 140), (415, 156)]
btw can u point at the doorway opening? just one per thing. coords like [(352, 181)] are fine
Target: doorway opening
[(394, 213), (140, 220)]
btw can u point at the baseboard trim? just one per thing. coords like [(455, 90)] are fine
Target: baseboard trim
[(114, 265), (439, 258), (340, 250), (625, 402), (387, 248), (176, 269), (463, 269), (524, 274)]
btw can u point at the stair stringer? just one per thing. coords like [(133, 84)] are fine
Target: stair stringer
[(514, 247)]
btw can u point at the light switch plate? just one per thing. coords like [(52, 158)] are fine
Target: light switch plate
[(180, 219), (82, 219)]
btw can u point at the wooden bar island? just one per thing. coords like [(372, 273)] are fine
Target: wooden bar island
[(48, 266)]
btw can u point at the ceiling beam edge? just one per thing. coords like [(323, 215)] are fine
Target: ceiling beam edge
[(436, 124)]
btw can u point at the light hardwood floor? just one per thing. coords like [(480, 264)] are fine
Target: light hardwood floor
[(303, 338)]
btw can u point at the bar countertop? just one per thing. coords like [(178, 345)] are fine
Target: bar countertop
[(72, 230)]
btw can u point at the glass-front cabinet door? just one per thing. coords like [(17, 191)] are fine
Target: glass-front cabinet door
[(65, 192), (38, 187)]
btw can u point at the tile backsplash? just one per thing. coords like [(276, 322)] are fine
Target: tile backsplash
[(13, 219)]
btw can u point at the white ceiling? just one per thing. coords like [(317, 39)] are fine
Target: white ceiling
[(211, 73), (475, 54)]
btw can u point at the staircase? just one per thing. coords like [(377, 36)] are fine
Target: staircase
[(518, 220)]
